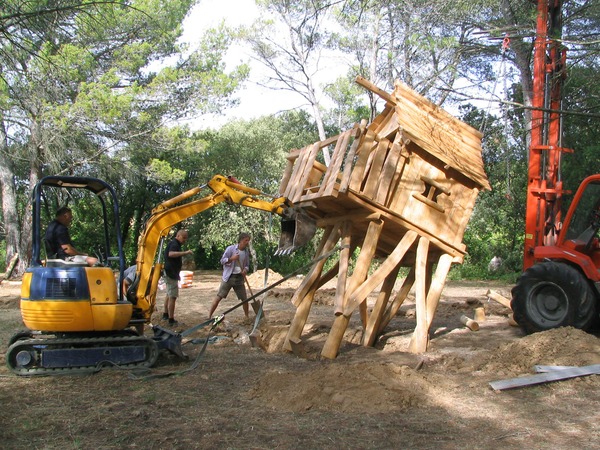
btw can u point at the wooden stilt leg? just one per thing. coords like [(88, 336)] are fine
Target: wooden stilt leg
[(418, 343), (345, 255), (372, 328), (437, 285), (334, 339), (329, 239), (392, 310), (304, 295)]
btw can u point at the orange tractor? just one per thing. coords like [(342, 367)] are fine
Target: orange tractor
[(560, 285)]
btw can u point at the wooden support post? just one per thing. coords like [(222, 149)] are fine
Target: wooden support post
[(330, 237), (362, 291), (297, 348), (392, 310), (418, 342), (346, 230), (334, 339), (303, 297), (372, 327), (437, 286)]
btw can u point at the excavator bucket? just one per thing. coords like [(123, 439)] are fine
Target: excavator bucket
[(297, 228)]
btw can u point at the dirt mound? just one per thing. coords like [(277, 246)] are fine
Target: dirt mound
[(348, 389), (559, 347)]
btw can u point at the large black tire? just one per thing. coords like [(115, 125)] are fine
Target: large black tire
[(551, 295)]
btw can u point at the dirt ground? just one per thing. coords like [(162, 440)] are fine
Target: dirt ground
[(244, 397)]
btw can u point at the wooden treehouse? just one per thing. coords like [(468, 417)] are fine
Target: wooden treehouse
[(401, 190)]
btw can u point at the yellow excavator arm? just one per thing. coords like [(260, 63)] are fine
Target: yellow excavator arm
[(173, 211)]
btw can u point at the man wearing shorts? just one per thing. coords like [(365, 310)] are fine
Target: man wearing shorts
[(173, 262), (236, 263)]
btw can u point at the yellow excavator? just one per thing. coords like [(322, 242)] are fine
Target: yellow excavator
[(77, 317)]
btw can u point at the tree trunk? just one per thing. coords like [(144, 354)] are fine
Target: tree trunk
[(9, 202)]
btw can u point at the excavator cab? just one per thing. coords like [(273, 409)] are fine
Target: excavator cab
[(64, 296), (76, 314)]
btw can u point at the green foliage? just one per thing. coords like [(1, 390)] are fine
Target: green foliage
[(99, 88), (350, 107), (255, 153)]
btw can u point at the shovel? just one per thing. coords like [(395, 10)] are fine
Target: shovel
[(255, 337)]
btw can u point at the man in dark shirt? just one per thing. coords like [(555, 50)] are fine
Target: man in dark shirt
[(58, 240), (173, 262)]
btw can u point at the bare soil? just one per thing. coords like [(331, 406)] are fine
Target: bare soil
[(244, 397)]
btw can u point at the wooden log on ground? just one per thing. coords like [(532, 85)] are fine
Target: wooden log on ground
[(499, 298), (479, 315), (469, 323)]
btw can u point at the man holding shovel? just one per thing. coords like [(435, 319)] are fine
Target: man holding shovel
[(236, 263)]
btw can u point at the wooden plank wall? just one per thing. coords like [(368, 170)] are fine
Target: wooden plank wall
[(394, 184)]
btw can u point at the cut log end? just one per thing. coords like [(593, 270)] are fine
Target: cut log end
[(469, 323)]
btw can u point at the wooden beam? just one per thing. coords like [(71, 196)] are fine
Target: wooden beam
[(354, 217), (340, 292), (418, 342), (371, 87), (392, 310), (374, 322), (336, 334), (384, 269), (401, 222), (499, 298)]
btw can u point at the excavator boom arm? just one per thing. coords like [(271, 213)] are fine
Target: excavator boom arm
[(173, 211)]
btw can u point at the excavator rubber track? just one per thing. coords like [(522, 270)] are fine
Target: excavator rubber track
[(58, 355)]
